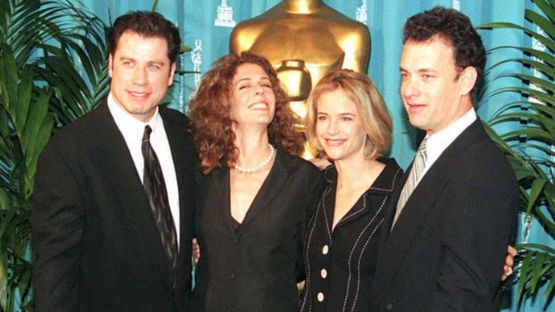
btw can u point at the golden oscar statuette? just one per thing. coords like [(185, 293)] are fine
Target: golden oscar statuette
[(304, 40)]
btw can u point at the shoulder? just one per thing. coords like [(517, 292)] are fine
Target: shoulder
[(82, 130), (389, 179), (173, 115), (392, 169), (295, 162), (478, 161), (484, 152), (175, 122), (297, 165)]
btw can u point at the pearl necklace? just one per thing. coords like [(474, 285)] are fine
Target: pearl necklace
[(261, 165)]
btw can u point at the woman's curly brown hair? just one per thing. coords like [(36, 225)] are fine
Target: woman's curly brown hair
[(211, 122)]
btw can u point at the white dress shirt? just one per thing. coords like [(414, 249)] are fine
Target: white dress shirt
[(132, 130), (439, 141)]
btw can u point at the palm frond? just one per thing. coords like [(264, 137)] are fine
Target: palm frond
[(529, 147)]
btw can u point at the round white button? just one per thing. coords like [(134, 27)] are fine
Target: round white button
[(324, 273), (320, 297), (325, 249)]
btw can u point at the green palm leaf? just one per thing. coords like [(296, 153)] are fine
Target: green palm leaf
[(532, 159)]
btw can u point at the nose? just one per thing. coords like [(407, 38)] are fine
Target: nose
[(258, 89), (332, 126), (409, 88), (139, 75)]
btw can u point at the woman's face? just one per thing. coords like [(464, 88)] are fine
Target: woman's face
[(253, 100), (338, 127)]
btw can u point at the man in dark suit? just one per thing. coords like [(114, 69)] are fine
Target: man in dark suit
[(112, 224), (444, 247)]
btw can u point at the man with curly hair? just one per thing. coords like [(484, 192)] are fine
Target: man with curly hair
[(457, 209)]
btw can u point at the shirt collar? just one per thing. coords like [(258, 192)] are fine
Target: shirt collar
[(440, 140)]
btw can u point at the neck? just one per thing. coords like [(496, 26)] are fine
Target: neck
[(253, 146), (352, 172), (465, 107), (302, 6)]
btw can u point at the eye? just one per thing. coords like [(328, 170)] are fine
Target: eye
[(243, 86), (321, 118), (127, 63), (346, 118), (267, 85), (404, 76), (427, 76), (154, 67)]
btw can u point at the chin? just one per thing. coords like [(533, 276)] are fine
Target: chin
[(334, 156)]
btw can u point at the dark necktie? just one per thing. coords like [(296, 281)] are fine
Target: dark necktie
[(155, 190)]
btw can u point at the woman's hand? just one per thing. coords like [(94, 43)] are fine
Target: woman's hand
[(509, 263), (196, 251)]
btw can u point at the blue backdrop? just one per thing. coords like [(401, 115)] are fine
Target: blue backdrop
[(202, 29)]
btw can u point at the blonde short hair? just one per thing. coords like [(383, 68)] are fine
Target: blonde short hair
[(370, 105)]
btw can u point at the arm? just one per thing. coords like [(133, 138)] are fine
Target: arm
[(57, 222), (314, 193), (478, 224)]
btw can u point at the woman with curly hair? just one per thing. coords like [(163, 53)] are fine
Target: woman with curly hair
[(254, 193)]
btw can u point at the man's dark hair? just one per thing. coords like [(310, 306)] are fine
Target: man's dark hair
[(455, 29), (146, 24)]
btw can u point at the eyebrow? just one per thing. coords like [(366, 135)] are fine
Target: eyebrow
[(421, 70), (126, 58), (341, 114)]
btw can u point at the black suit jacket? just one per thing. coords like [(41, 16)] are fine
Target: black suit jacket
[(95, 242), (256, 267), (446, 251)]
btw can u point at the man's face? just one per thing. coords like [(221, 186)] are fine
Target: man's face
[(141, 73), (432, 88)]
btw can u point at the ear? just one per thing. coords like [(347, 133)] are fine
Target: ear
[(172, 73), (110, 64), (467, 80)]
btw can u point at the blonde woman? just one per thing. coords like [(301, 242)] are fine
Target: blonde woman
[(349, 123)]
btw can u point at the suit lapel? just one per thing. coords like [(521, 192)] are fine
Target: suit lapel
[(391, 212), (221, 187), (396, 244), (270, 188), (180, 146), (128, 189)]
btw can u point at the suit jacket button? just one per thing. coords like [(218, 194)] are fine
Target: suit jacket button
[(389, 307), (232, 275)]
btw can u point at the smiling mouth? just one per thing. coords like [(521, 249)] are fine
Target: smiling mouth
[(415, 107), (334, 142), (259, 106), (138, 94)]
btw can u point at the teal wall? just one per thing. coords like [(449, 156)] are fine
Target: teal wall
[(385, 20)]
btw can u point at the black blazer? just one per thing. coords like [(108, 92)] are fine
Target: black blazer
[(95, 242), (340, 263), (446, 251), (256, 267)]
